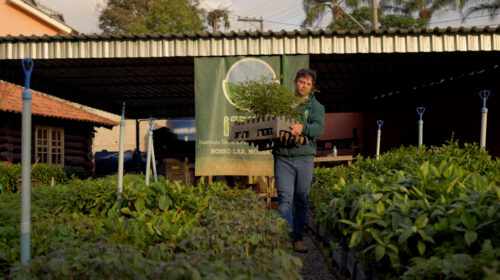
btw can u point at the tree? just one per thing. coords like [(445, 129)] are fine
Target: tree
[(315, 9), (364, 16), (150, 16), (214, 16), (422, 9), (490, 8)]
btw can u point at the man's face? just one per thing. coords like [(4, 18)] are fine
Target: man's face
[(303, 86)]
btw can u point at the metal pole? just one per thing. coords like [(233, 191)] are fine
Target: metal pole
[(379, 136), (484, 94), (120, 154), (420, 111), (153, 160), (148, 158), (26, 164), (137, 135)]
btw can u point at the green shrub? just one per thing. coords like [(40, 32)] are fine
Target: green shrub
[(9, 175), (75, 173), (45, 172), (421, 213), (266, 97), (162, 231)]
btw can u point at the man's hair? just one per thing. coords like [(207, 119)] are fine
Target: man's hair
[(306, 72)]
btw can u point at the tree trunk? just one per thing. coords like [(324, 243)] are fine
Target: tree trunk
[(216, 23), (337, 12)]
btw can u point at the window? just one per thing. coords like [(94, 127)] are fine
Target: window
[(49, 145)]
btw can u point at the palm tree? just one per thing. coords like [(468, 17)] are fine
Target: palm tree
[(490, 8), (423, 9), (214, 16), (315, 9)]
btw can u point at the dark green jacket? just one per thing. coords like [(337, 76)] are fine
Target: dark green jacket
[(314, 120)]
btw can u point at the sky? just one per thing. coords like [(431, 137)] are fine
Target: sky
[(83, 15)]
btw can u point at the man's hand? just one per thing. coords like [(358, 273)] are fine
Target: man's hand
[(296, 129)]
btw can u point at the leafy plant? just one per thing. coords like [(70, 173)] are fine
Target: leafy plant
[(9, 175), (414, 208), (164, 230), (266, 97)]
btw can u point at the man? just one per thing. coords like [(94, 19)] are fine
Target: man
[(293, 166)]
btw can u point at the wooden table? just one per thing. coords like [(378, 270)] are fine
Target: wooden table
[(331, 158)]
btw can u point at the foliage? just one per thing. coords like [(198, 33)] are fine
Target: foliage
[(423, 213), (315, 9), (214, 16), (162, 231), (9, 175), (401, 21), (363, 15), (266, 97), (75, 173), (489, 7), (415, 8), (139, 16)]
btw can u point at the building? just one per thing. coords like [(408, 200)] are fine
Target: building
[(61, 134), (27, 17), (380, 74)]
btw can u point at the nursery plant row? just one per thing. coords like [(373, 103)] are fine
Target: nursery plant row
[(415, 213), (162, 231)]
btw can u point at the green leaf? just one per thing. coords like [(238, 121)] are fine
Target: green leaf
[(405, 235), (375, 236), (435, 171), (470, 237), (425, 169), (356, 238), (379, 252), (421, 221), (425, 236), (341, 181), (164, 202), (393, 248), (380, 208), (126, 210), (377, 196), (442, 224), (195, 274), (421, 247), (139, 204), (372, 215), (149, 226), (491, 211), (469, 221), (349, 223), (254, 239)]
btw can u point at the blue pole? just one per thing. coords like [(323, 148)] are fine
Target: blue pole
[(379, 136), (26, 164)]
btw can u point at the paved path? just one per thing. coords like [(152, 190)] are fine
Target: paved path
[(315, 267)]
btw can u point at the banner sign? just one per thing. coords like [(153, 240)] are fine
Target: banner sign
[(215, 111)]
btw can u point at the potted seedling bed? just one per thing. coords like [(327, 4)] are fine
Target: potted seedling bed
[(266, 132)]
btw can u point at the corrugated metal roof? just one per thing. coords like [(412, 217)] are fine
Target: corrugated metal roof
[(251, 43)]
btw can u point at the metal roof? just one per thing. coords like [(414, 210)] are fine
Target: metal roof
[(251, 43), (154, 74)]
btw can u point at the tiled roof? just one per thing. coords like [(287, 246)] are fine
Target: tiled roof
[(43, 105)]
